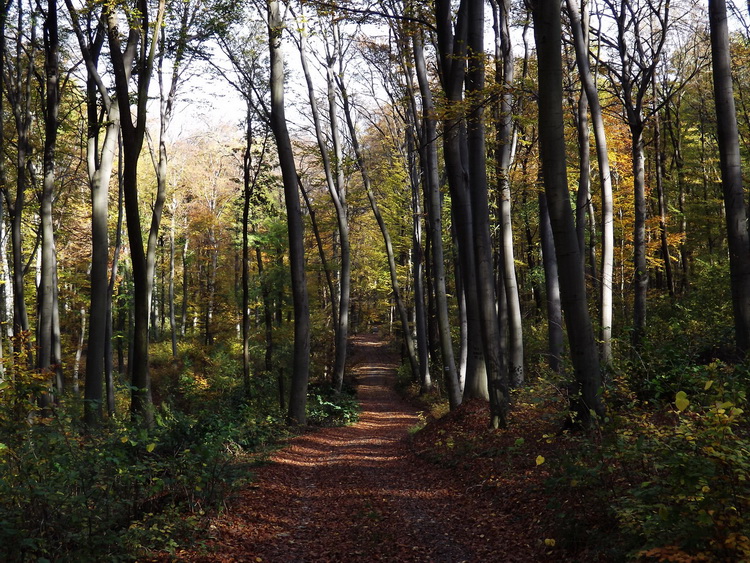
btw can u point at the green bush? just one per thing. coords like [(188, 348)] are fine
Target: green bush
[(325, 407), (123, 490), (678, 487)]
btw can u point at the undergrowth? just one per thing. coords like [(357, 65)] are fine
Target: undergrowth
[(122, 491)]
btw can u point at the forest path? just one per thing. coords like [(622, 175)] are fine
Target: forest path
[(359, 493)]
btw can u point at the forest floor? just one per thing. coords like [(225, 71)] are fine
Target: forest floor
[(378, 491)]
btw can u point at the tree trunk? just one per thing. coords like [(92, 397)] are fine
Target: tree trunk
[(172, 318), (19, 95), (548, 35), (429, 155), (335, 182), (420, 314), (301, 354), (108, 359), (185, 286), (661, 200), (552, 286), (584, 69), (504, 76), (247, 192), (455, 148), (142, 259), (640, 264), (731, 174), (48, 278), (477, 161)]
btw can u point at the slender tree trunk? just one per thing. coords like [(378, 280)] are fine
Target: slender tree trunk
[(79, 353), (172, 318), (640, 264), (662, 204), (247, 184), (420, 313), (434, 211), (48, 278), (108, 359), (19, 94), (335, 181), (607, 270), (548, 35), (301, 354), (504, 76), (6, 293), (185, 286), (345, 274), (402, 312), (552, 286), (678, 165), (731, 174)]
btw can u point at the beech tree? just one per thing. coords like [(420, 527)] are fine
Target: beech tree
[(587, 398), (300, 364), (731, 174), (100, 160), (139, 51), (48, 327), (592, 96)]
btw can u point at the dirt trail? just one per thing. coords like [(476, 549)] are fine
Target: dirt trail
[(359, 493)]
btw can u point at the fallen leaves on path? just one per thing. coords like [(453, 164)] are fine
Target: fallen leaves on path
[(370, 492)]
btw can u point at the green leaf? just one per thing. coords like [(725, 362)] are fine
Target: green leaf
[(150, 447), (539, 460), (708, 384), (681, 401)]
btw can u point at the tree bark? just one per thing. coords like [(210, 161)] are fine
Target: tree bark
[(46, 293), (504, 75), (548, 35), (605, 178), (494, 359), (552, 287), (301, 353), (142, 259), (429, 155), (731, 174), (452, 54)]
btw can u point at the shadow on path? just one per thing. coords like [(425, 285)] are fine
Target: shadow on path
[(358, 493)]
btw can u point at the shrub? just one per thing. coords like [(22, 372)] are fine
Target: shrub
[(678, 486), (325, 407)]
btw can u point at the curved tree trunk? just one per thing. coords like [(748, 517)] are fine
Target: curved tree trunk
[(133, 137), (402, 312), (336, 188), (295, 226), (587, 80)]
